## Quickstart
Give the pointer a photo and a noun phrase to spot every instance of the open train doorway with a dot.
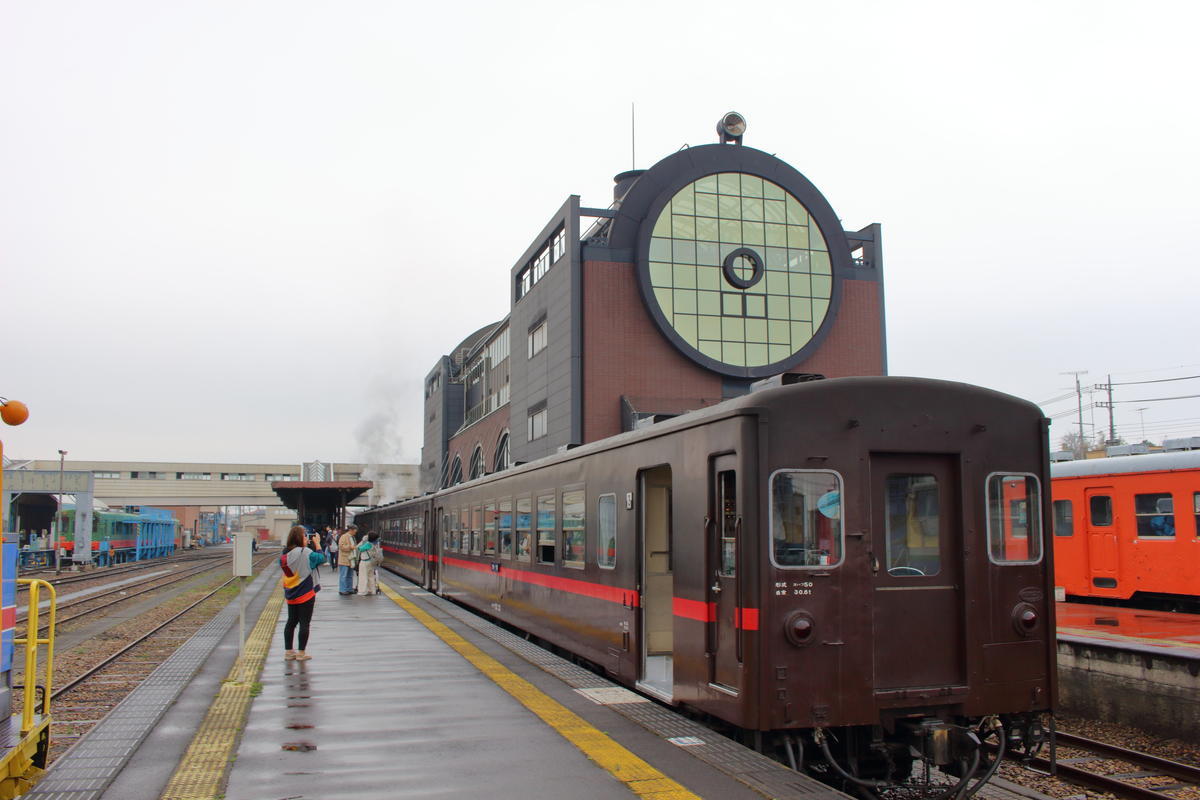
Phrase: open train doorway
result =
(658, 583)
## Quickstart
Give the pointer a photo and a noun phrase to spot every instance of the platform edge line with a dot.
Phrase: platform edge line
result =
(206, 761)
(638, 776)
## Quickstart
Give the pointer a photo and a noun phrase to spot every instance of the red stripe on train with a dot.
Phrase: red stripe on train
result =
(744, 618)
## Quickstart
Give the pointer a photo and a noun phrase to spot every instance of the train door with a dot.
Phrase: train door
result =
(426, 548)
(917, 565)
(723, 525)
(1101, 529)
(657, 626)
(441, 528)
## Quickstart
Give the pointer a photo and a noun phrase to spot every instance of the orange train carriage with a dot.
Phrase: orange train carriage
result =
(1126, 529)
(852, 574)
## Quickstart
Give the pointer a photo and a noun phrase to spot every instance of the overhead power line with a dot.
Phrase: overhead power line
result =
(1160, 380)
(1152, 399)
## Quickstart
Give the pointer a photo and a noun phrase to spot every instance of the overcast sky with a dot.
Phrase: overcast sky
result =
(245, 231)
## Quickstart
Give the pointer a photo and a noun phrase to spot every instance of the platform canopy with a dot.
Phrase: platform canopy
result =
(320, 503)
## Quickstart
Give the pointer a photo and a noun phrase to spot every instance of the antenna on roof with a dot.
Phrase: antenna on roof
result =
(633, 135)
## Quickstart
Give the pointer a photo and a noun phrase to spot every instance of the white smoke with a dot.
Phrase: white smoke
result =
(379, 443)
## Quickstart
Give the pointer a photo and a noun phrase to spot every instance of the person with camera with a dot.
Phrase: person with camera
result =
(299, 562)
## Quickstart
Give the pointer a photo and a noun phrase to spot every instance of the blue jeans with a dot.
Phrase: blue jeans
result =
(345, 579)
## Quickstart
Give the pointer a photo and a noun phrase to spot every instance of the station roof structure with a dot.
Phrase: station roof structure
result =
(319, 497)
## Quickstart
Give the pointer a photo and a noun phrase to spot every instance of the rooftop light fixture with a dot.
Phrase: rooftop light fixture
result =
(731, 127)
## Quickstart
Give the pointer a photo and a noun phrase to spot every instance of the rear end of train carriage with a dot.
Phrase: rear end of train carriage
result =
(906, 595)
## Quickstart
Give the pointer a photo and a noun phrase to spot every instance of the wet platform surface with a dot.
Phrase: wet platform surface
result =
(1156, 631)
(388, 708)
(407, 695)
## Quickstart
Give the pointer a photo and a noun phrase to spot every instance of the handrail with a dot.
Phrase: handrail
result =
(31, 642)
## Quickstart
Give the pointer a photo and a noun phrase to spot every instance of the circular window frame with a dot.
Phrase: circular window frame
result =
(652, 193)
(731, 271)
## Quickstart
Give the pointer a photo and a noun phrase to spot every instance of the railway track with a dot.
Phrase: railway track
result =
(126, 592)
(91, 690)
(1139, 776)
(108, 572)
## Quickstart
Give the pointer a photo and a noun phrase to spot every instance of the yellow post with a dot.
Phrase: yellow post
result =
(31, 641)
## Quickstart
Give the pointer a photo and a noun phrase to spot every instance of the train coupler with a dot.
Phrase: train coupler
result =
(939, 742)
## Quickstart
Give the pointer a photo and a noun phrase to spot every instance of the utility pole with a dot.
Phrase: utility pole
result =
(1112, 427)
(1079, 397)
(62, 454)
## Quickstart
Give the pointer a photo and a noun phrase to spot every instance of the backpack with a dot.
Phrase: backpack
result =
(376, 554)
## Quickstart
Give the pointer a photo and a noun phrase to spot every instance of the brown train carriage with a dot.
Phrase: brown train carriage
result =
(832, 565)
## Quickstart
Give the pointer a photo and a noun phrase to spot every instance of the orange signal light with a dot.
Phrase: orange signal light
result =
(14, 412)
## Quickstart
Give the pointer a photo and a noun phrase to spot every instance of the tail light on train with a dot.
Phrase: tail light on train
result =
(799, 628)
(1025, 619)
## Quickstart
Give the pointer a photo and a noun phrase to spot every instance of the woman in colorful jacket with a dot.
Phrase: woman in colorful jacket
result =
(300, 587)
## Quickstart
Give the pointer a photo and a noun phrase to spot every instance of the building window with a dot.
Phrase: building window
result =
(193, 476)
(551, 251)
(455, 472)
(236, 476)
(501, 462)
(280, 476)
(537, 339)
(1155, 515)
(477, 463)
(108, 475)
(148, 476)
(545, 529)
(537, 423)
(558, 245)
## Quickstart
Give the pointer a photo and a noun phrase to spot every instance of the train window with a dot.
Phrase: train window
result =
(1155, 515)
(1064, 518)
(1014, 518)
(913, 526)
(476, 530)
(574, 529)
(464, 530)
(489, 529)
(447, 532)
(727, 519)
(606, 524)
(524, 519)
(806, 518)
(506, 529)
(1100, 510)
(545, 529)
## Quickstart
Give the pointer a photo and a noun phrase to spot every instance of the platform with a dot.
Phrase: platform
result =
(1151, 632)
(1138, 668)
(407, 695)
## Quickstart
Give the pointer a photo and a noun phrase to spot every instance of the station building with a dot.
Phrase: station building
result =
(718, 267)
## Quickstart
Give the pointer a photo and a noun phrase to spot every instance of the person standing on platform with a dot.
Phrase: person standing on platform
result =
(298, 563)
(346, 545)
(368, 565)
(376, 560)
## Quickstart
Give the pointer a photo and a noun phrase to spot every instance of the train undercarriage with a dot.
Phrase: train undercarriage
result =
(920, 757)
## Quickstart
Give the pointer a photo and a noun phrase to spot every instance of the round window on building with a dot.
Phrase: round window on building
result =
(739, 272)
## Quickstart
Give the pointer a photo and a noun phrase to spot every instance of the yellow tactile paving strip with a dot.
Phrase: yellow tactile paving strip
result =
(201, 773)
(641, 778)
